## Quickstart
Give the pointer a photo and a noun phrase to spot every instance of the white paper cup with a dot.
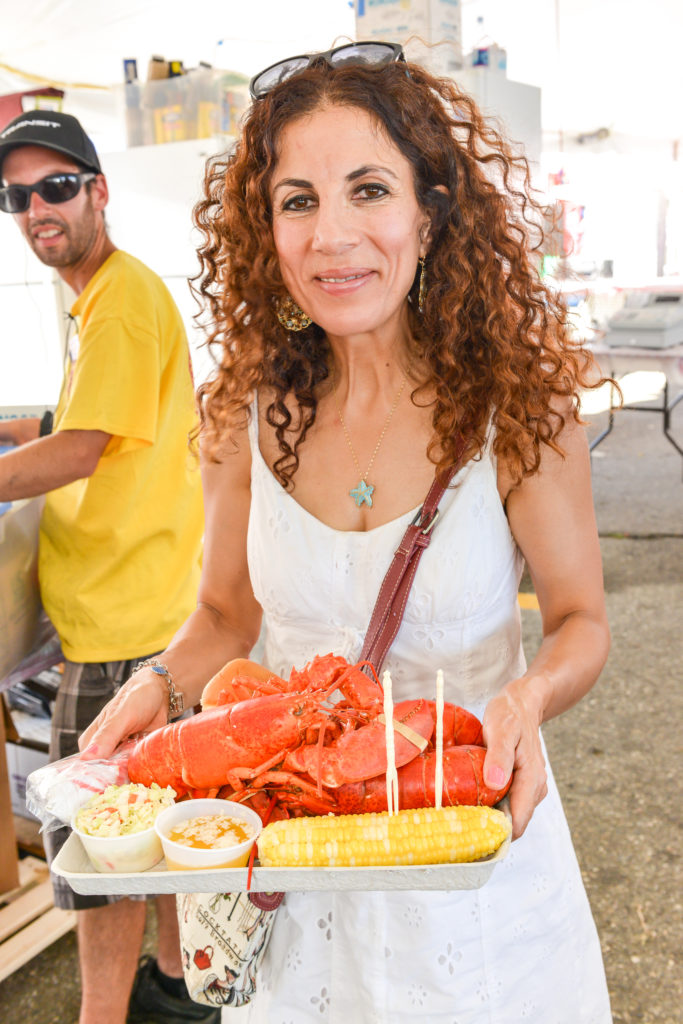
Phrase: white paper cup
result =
(136, 851)
(188, 858)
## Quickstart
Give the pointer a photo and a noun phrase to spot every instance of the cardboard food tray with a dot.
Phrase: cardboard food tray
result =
(73, 864)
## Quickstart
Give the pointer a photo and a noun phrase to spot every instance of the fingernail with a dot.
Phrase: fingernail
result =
(91, 750)
(496, 776)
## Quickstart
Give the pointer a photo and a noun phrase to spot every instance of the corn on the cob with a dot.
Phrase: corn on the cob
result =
(424, 836)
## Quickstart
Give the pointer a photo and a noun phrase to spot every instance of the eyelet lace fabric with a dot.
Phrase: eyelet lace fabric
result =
(523, 948)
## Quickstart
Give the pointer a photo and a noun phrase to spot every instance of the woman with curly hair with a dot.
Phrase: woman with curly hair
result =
(369, 268)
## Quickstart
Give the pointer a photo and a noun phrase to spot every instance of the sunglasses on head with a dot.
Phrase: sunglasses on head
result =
(370, 53)
(56, 188)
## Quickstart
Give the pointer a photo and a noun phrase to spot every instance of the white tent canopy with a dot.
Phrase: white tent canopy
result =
(600, 64)
(612, 64)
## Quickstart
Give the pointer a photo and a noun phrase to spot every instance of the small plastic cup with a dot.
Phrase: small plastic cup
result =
(137, 851)
(188, 858)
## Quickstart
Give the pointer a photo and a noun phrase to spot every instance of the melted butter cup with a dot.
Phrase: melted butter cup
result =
(180, 857)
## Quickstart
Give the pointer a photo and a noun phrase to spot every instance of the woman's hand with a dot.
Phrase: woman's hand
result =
(511, 734)
(141, 705)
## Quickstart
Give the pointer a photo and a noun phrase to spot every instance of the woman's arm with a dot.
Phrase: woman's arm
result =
(224, 625)
(552, 518)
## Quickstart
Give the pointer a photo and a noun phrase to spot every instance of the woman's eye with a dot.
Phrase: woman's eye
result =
(371, 191)
(298, 203)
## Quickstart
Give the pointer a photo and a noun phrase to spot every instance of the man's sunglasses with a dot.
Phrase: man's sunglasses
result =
(371, 53)
(56, 188)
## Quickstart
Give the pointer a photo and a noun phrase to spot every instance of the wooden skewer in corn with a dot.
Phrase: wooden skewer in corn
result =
(438, 770)
(392, 776)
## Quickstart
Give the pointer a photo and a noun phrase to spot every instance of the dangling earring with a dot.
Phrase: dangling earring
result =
(291, 316)
(422, 292)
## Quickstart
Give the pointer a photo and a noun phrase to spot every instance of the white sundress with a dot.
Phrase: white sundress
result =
(524, 946)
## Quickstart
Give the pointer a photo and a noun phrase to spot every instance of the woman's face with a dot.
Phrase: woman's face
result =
(347, 225)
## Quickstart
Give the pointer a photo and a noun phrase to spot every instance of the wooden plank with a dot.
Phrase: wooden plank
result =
(29, 839)
(28, 920)
(9, 877)
(33, 939)
(25, 908)
(31, 872)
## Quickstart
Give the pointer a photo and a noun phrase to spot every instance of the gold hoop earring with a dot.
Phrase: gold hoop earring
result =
(422, 292)
(291, 316)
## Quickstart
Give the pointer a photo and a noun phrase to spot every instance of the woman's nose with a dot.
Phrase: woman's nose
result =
(334, 231)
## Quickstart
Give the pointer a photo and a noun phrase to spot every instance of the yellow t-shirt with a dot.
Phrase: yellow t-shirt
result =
(120, 551)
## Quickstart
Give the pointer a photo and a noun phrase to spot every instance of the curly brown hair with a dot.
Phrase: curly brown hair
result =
(492, 337)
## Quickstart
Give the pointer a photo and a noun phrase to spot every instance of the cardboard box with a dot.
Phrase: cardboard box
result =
(429, 30)
(22, 759)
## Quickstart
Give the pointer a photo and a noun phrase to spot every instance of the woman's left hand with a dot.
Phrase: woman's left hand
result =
(511, 734)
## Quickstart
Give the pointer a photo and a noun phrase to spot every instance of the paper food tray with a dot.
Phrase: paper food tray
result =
(73, 864)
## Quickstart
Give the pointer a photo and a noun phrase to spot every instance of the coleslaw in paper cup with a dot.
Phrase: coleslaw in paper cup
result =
(116, 827)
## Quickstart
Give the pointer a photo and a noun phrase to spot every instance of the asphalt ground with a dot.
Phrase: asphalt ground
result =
(616, 756)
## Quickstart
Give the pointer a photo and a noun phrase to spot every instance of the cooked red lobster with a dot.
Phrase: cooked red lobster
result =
(260, 736)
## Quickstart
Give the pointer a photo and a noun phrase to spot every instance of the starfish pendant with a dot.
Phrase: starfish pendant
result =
(362, 493)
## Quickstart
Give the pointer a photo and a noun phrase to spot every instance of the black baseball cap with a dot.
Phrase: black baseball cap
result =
(53, 130)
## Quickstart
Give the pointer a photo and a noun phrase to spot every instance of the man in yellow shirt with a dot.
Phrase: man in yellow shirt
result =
(120, 537)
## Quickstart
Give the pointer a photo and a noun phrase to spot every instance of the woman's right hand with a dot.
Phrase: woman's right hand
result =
(141, 705)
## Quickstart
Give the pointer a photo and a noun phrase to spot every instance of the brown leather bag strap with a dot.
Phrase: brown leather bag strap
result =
(393, 594)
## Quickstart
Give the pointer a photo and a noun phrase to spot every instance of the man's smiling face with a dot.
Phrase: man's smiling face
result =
(59, 234)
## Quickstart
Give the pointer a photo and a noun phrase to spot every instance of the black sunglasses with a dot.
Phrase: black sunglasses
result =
(56, 188)
(373, 53)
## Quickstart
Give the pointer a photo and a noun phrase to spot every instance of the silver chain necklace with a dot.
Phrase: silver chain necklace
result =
(363, 491)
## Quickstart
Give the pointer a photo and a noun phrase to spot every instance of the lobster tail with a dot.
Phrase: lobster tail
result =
(459, 726)
(463, 783)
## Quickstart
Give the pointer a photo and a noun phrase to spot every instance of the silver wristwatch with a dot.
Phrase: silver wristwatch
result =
(176, 701)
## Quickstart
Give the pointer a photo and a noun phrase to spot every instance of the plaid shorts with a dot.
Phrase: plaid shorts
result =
(83, 692)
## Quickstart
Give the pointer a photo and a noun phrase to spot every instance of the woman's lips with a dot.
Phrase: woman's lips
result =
(335, 282)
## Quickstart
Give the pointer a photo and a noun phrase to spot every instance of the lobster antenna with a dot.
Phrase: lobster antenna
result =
(438, 769)
(392, 777)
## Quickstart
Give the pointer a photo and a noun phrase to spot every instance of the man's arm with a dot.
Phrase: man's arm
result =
(20, 431)
(50, 462)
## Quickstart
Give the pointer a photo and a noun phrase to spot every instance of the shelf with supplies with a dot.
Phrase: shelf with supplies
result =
(201, 104)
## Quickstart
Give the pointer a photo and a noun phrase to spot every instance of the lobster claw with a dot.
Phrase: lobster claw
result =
(362, 753)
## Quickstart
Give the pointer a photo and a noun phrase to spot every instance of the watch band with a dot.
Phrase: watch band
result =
(176, 701)
(46, 422)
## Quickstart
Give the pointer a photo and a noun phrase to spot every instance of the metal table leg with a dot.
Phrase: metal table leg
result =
(610, 422)
(666, 409)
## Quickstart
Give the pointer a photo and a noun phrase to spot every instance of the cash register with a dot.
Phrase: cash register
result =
(647, 320)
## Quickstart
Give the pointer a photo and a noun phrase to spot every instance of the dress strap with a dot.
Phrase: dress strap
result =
(252, 427)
